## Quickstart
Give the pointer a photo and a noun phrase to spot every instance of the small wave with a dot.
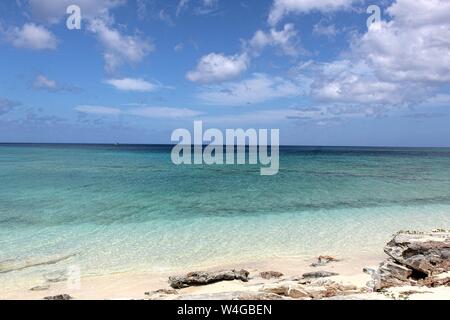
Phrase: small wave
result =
(15, 265)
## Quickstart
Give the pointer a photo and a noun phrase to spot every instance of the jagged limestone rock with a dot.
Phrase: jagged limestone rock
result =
(199, 278)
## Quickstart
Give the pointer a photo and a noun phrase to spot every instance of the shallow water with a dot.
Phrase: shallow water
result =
(107, 209)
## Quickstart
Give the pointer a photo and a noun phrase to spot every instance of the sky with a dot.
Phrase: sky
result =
(139, 69)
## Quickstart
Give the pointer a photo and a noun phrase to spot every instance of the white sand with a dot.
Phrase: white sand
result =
(134, 285)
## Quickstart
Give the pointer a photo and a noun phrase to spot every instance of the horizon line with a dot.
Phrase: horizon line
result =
(174, 144)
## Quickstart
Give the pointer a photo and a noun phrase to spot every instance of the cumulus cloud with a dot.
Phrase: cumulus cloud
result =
(394, 63)
(258, 88)
(405, 48)
(282, 39)
(31, 36)
(132, 84)
(281, 8)
(144, 112)
(216, 67)
(119, 48)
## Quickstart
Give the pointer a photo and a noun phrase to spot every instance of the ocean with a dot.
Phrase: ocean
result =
(107, 209)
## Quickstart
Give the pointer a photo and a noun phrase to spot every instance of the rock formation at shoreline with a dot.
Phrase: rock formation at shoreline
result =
(415, 258)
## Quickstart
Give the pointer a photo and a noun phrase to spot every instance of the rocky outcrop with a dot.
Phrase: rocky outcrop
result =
(200, 278)
(312, 290)
(428, 253)
(415, 258)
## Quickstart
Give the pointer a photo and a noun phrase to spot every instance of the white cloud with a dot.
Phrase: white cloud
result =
(406, 48)
(216, 67)
(258, 88)
(31, 36)
(118, 48)
(282, 39)
(42, 82)
(131, 84)
(399, 63)
(144, 112)
(280, 8)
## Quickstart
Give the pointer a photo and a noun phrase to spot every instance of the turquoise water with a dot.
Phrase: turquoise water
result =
(128, 208)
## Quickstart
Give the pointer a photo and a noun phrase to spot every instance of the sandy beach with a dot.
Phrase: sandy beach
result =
(138, 286)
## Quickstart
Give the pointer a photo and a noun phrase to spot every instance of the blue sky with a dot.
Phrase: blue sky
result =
(139, 69)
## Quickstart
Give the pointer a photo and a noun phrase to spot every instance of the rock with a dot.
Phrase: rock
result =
(436, 281)
(297, 292)
(319, 274)
(200, 278)
(270, 274)
(390, 274)
(428, 253)
(59, 297)
(415, 258)
(40, 288)
(315, 290)
(287, 289)
(262, 296)
(162, 291)
(277, 288)
(323, 260)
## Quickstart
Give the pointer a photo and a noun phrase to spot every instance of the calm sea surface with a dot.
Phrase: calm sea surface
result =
(128, 208)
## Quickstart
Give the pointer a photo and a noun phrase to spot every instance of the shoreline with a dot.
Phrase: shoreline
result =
(414, 265)
(134, 284)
